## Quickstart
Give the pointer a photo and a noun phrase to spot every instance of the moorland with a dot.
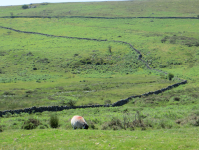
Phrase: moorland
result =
(69, 68)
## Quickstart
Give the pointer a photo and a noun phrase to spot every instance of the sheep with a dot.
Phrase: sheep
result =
(79, 122)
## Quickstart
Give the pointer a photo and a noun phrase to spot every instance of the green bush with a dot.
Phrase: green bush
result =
(114, 124)
(8, 93)
(25, 6)
(71, 102)
(54, 121)
(164, 39)
(92, 125)
(30, 124)
(68, 102)
(170, 76)
(107, 102)
(7, 115)
(43, 126)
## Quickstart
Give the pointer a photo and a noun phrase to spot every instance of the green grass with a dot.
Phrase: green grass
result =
(77, 65)
(81, 139)
(60, 60)
(89, 72)
(152, 8)
(83, 90)
(165, 126)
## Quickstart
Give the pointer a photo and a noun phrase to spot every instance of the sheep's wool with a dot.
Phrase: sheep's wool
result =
(78, 122)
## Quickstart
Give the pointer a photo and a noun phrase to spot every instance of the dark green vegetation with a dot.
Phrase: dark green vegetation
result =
(54, 121)
(39, 70)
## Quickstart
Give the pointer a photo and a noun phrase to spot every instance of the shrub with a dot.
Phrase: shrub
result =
(29, 92)
(109, 49)
(170, 76)
(71, 102)
(91, 103)
(1, 128)
(25, 6)
(114, 124)
(149, 123)
(8, 93)
(86, 88)
(1, 71)
(95, 120)
(43, 126)
(172, 41)
(196, 123)
(107, 102)
(176, 99)
(163, 123)
(30, 124)
(68, 102)
(164, 39)
(11, 14)
(54, 121)
(92, 125)
(7, 115)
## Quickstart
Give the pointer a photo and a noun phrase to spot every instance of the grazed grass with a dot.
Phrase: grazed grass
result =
(38, 70)
(60, 60)
(133, 8)
(169, 126)
(83, 90)
(81, 139)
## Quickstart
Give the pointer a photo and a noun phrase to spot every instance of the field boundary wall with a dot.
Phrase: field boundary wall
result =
(99, 17)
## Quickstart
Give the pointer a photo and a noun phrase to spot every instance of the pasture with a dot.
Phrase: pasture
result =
(67, 67)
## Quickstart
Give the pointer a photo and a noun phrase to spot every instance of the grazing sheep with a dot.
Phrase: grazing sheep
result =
(79, 122)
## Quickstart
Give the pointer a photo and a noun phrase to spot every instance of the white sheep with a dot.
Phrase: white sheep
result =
(79, 122)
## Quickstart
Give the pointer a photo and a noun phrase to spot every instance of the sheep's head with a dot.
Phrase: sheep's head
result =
(85, 126)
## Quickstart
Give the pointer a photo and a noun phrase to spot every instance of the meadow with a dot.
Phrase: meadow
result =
(39, 70)
(135, 8)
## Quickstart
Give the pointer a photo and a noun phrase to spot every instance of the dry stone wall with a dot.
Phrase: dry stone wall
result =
(99, 17)
(118, 103)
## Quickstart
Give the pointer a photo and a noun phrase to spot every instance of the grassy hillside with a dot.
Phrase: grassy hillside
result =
(169, 45)
(66, 65)
(135, 8)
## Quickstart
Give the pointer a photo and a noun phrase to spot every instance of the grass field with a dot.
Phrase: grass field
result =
(80, 139)
(171, 126)
(136, 8)
(39, 70)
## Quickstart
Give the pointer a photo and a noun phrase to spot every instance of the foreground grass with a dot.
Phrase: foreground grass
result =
(168, 123)
(81, 139)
